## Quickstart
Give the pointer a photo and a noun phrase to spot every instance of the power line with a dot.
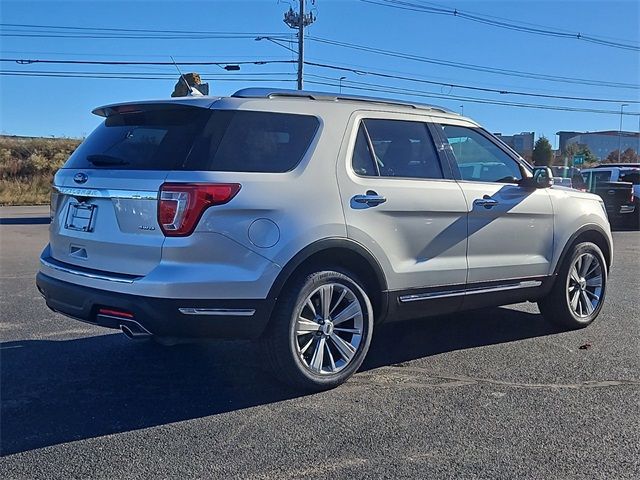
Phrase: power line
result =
(354, 85)
(139, 30)
(319, 65)
(372, 87)
(165, 74)
(127, 77)
(470, 66)
(64, 31)
(23, 61)
(504, 24)
(468, 87)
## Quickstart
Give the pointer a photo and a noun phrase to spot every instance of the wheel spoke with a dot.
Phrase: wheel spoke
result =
(326, 292)
(340, 298)
(588, 306)
(594, 281)
(304, 326)
(311, 307)
(346, 349)
(574, 300)
(308, 344)
(332, 362)
(574, 274)
(593, 269)
(586, 263)
(596, 297)
(318, 356)
(356, 331)
(348, 313)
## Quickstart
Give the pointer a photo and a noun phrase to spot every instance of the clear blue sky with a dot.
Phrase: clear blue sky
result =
(61, 106)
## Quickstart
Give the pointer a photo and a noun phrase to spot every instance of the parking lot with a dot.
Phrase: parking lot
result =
(496, 393)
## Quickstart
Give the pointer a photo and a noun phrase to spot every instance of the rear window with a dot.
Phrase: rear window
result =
(247, 141)
(192, 138)
(157, 139)
(632, 176)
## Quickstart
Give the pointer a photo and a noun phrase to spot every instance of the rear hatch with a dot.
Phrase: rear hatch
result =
(105, 208)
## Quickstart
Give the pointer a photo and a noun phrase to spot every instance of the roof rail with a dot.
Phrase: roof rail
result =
(331, 97)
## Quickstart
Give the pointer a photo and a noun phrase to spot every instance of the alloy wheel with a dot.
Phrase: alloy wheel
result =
(585, 285)
(329, 329)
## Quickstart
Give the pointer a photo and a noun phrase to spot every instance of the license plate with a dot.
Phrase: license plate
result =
(80, 217)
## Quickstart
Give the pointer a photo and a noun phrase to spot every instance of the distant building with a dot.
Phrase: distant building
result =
(602, 143)
(563, 137)
(520, 142)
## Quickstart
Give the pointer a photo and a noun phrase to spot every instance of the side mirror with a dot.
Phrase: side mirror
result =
(542, 178)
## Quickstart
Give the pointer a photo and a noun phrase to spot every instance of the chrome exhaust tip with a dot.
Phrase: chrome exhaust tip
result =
(134, 332)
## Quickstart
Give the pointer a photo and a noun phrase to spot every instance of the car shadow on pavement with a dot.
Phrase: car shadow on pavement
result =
(60, 391)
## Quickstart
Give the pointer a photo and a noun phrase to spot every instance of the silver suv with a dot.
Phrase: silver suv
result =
(304, 220)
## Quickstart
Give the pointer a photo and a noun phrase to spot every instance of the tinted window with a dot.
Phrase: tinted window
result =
(245, 141)
(478, 158)
(157, 139)
(401, 149)
(362, 161)
(191, 138)
(631, 177)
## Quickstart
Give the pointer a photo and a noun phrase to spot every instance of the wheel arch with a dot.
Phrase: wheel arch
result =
(588, 233)
(339, 252)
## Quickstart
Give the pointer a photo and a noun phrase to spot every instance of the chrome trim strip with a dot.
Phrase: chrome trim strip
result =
(95, 276)
(232, 312)
(107, 193)
(470, 291)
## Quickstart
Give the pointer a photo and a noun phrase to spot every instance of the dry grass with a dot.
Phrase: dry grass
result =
(27, 166)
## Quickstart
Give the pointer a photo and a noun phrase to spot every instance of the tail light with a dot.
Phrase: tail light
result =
(53, 203)
(181, 205)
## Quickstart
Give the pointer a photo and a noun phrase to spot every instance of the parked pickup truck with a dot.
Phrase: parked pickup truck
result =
(619, 187)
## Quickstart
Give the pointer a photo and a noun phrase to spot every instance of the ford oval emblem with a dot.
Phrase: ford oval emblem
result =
(80, 177)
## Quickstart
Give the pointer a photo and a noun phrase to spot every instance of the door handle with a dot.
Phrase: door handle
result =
(371, 198)
(486, 202)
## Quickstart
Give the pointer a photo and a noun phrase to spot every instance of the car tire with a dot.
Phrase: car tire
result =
(320, 330)
(578, 292)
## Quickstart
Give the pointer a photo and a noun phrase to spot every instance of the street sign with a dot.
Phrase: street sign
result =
(578, 159)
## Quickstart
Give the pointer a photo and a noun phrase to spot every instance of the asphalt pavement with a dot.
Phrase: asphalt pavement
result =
(496, 393)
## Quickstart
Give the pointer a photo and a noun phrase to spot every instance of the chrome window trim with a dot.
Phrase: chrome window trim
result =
(107, 193)
(470, 291)
(232, 312)
(79, 273)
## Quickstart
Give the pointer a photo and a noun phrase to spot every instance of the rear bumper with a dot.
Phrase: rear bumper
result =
(164, 317)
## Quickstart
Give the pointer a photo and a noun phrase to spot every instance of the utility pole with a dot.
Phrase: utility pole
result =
(620, 131)
(299, 20)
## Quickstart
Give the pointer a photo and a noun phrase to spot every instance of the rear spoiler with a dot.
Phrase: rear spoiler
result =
(132, 107)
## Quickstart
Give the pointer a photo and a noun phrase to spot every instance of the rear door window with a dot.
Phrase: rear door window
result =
(400, 149)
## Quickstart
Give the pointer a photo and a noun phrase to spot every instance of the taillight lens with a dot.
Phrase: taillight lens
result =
(180, 205)
(53, 203)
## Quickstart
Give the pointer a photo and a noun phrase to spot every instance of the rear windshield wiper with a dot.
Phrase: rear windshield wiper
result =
(102, 160)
